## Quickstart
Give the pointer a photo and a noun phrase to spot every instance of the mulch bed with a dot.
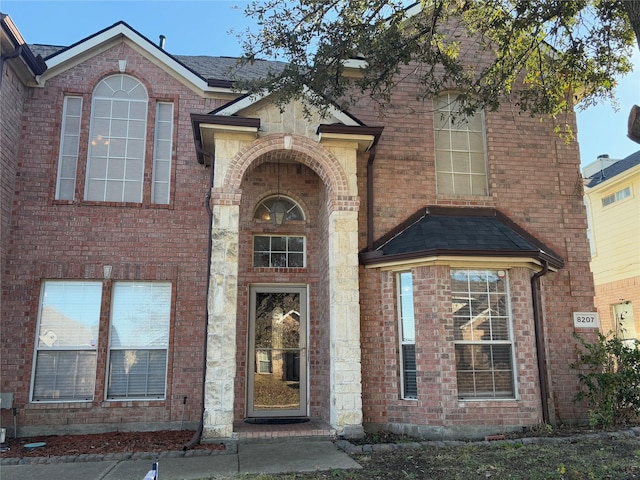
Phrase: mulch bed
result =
(103, 443)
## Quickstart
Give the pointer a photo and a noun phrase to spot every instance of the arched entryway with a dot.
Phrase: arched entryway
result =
(323, 183)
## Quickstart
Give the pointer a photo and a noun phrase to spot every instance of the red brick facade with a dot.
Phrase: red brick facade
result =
(533, 179)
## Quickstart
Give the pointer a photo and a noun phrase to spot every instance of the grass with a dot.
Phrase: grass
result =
(606, 458)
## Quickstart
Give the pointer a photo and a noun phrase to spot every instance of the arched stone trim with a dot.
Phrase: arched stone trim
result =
(299, 149)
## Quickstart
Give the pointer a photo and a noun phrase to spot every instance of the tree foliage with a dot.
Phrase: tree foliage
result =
(532, 53)
(609, 370)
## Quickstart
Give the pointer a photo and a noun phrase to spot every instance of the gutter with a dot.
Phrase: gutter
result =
(540, 345)
(372, 157)
(8, 56)
(198, 434)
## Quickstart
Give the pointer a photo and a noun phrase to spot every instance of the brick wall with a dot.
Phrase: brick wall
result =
(534, 179)
(73, 240)
(12, 97)
(302, 185)
(613, 293)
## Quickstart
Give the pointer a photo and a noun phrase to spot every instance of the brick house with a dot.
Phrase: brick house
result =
(174, 253)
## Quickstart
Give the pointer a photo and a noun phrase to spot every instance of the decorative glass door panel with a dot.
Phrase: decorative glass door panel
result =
(277, 380)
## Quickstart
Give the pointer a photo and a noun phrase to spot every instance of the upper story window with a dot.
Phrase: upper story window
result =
(69, 145)
(117, 140)
(115, 167)
(461, 165)
(616, 197)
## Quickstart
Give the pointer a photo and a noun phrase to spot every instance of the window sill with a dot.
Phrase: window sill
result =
(464, 198)
(92, 203)
(133, 403)
(48, 404)
(492, 401)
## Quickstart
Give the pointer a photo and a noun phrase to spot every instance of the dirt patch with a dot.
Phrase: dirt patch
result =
(103, 443)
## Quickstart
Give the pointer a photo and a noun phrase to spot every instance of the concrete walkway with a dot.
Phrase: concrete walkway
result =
(285, 457)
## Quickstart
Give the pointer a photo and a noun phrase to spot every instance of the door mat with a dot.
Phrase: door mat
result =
(276, 420)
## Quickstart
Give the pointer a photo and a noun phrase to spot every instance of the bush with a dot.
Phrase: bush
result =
(609, 369)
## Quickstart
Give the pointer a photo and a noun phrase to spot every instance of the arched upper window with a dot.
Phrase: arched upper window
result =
(115, 168)
(461, 165)
(265, 207)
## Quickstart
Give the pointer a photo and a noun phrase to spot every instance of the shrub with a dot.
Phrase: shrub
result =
(609, 369)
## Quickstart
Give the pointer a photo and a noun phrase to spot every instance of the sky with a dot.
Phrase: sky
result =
(210, 27)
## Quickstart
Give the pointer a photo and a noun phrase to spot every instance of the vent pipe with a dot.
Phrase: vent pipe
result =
(161, 43)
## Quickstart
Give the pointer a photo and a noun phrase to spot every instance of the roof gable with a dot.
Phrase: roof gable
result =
(65, 58)
(617, 168)
(248, 102)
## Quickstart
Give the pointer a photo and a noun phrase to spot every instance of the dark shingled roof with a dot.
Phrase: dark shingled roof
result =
(615, 169)
(209, 68)
(459, 231)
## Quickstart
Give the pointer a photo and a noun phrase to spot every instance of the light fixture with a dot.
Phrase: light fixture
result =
(278, 210)
(106, 270)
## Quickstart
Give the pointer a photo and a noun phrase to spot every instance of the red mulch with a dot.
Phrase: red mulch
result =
(103, 443)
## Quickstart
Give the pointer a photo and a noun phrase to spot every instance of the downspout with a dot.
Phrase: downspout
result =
(372, 157)
(540, 345)
(198, 433)
(8, 56)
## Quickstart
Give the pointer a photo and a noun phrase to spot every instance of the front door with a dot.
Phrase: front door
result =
(277, 357)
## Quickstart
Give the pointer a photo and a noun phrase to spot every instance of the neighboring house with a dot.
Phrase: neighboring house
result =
(229, 261)
(612, 197)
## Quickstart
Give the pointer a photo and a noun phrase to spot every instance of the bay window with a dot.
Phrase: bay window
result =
(482, 334)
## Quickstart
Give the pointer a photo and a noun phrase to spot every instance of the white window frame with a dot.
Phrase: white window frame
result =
(286, 252)
(456, 157)
(476, 347)
(162, 152)
(406, 334)
(69, 148)
(115, 168)
(616, 196)
(68, 310)
(151, 315)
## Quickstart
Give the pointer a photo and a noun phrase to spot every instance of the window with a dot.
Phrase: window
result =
(283, 252)
(625, 322)
(407, 336)
(115, 168)
(66, 342)
(139, 340)
(482, 334)
(292, 209)
(162, 153)
(118, 132)
(461, 167)
(69, 144)
(616, 197)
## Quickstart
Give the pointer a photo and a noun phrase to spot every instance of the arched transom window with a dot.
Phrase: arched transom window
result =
(265, 208)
